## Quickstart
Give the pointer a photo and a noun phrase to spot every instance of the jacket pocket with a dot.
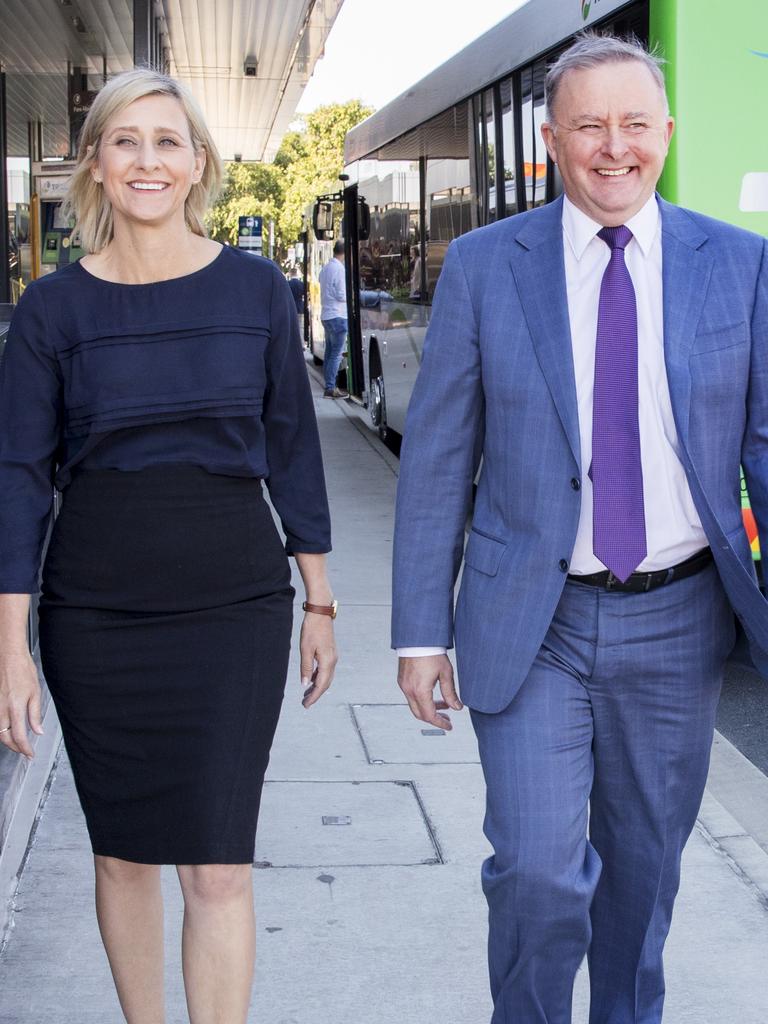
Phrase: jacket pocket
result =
(484, 553)
(713, 339)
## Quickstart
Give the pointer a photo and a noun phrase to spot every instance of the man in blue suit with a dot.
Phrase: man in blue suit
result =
(612, 372)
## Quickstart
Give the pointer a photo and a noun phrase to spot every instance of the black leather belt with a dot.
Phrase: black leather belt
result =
(639, 582)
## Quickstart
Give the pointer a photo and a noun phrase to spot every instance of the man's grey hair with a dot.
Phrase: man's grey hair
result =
(590, 51)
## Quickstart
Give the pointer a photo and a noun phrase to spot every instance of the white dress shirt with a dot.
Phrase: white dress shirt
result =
(672, 525)
(333, 290)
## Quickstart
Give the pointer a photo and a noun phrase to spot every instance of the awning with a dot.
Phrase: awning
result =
(247, 61)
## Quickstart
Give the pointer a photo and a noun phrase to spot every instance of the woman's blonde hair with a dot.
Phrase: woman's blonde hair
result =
(86, 200)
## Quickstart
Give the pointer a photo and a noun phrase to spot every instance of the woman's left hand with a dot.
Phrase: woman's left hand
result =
(318, 656)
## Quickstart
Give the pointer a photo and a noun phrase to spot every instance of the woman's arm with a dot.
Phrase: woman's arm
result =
(30, 396)
(297, 484)
(19, 686)
(317, 644)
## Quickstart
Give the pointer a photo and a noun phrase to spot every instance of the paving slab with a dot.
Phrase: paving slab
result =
(347, 935)
(391, 735)
(343, 824)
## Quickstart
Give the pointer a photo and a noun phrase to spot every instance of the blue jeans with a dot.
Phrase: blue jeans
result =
(335, 336)
(617, 715)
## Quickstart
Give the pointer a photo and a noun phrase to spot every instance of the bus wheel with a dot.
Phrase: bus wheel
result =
(378, 408)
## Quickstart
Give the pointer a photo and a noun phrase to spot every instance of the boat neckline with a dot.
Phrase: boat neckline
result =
(152, 284)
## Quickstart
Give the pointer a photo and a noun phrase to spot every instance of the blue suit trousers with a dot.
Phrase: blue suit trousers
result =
(594, 776)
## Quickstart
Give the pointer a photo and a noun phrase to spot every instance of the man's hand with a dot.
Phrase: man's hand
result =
(416, 677)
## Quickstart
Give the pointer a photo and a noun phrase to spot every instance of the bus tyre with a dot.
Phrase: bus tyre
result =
(378, 407)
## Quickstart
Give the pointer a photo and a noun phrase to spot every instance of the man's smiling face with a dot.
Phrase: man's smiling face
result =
(609, 137)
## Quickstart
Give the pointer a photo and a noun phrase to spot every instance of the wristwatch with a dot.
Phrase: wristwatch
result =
(322, 609)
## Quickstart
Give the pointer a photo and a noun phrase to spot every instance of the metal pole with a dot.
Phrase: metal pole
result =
(305, 276)
(5, 269)
(31, 140)
(35, 241)
(423, 228)
(141, 32)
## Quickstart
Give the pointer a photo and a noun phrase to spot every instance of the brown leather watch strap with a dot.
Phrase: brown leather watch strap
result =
(322, 609)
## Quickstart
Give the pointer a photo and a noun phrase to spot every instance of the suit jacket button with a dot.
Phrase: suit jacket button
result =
(563, 565)
(576, 484)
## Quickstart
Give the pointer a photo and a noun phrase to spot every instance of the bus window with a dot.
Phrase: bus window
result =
(451, 202)
(450, 209)
(534, 152)
(388, 257)
(508, 146)
(489, 154)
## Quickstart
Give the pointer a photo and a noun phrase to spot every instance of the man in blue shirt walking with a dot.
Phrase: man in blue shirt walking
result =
(333, 313)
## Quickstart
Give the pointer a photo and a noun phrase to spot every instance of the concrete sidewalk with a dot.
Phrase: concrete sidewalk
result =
(376, 916)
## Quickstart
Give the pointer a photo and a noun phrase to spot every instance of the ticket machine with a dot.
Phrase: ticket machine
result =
(58, 244)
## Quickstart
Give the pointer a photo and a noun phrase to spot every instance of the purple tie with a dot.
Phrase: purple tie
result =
(616, 472)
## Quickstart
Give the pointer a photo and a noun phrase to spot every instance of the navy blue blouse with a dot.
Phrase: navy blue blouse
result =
(205, 369)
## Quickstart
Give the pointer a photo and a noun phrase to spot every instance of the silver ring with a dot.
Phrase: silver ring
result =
(7, 729)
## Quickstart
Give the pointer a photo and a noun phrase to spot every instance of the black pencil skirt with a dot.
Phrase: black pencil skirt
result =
(165, 627)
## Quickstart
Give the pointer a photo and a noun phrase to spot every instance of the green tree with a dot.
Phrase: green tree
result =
(308, 162)
(249, 190)
(313, 158)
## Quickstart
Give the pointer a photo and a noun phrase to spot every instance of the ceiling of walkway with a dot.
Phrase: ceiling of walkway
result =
(207, 42)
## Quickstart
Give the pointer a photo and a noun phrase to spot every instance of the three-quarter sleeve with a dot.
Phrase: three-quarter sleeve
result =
(295, 478)
(30, 389)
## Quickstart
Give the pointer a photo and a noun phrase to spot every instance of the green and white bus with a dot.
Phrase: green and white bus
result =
(461, 148)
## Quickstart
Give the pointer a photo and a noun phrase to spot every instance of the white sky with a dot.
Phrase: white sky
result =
(377, 48)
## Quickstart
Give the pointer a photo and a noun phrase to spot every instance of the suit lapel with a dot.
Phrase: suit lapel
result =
(537, 265)
(686, 270)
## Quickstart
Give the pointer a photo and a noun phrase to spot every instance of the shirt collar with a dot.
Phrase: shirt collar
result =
(579, 229)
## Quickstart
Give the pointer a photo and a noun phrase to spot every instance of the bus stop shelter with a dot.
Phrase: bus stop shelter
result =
(247, 63)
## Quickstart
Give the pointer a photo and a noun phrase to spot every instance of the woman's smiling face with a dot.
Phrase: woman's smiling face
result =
(147, 162)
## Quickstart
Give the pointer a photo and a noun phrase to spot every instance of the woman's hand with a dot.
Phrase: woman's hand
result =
(19, 701)
(318, 656)
(317, 645)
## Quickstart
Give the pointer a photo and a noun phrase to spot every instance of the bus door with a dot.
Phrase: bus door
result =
(351, 232)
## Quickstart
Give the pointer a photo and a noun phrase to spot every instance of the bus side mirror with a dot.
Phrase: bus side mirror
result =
(322, 220)
(363, 221)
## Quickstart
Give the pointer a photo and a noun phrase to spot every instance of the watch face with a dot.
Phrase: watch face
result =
(335, 607)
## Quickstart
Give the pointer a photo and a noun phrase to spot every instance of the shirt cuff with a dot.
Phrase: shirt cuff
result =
(420, 652)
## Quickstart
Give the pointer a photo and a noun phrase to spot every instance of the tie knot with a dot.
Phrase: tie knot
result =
(616, 238)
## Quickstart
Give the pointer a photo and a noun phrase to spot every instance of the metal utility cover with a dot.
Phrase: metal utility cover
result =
(387, 827)
(391, 735)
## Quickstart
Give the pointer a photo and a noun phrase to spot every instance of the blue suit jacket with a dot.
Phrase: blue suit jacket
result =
(497, 380)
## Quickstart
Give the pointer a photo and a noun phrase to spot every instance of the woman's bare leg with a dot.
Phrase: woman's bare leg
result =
(129, 907)
(218, 942)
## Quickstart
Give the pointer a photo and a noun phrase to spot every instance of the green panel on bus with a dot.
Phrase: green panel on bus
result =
(717, 81)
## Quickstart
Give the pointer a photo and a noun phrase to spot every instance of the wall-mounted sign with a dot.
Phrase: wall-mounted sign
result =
(81, 101)
(54, 187)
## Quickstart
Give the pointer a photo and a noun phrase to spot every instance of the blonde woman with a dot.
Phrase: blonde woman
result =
(156, 382)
